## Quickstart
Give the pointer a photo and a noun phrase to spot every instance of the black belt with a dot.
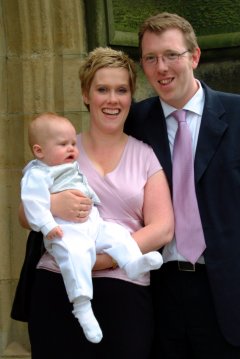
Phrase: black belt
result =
(185, 266)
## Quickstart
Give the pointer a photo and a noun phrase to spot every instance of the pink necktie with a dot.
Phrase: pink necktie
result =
(188, 227)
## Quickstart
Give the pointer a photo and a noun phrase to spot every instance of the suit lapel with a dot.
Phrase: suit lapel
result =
(156, 134)
(212, 129)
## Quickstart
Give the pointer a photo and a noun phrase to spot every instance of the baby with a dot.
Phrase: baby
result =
(52, 139)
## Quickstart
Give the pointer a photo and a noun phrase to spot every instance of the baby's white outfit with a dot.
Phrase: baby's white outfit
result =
(75, 252)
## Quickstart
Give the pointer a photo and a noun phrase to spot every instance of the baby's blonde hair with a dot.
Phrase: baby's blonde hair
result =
(42, 127)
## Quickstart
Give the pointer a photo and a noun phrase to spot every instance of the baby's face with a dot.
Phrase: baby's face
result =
(61, 146)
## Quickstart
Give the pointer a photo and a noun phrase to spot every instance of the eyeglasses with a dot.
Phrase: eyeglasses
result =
(167, 58)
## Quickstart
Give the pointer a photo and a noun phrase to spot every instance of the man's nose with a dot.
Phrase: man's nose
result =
(161, 64)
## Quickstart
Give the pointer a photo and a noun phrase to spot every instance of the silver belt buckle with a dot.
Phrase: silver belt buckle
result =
(186, 267)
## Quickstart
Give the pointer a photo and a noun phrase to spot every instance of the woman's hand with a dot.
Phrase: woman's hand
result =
(71, 205)
(103, 261)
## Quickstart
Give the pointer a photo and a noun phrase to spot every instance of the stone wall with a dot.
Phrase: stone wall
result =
(41, 45)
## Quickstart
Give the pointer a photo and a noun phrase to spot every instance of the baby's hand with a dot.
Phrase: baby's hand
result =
(55, 232)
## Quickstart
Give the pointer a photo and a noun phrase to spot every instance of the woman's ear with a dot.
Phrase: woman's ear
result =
(85, 98)
(37, 151)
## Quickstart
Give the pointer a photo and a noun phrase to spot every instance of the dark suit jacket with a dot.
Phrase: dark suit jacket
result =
(217, 177)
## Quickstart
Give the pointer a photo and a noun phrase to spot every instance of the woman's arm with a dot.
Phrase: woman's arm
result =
(70, 205)
(158, 219)
(22, 218)
(158, 215)
(104, 261)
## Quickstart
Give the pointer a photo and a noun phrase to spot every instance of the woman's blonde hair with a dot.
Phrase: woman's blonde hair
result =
(104, 57)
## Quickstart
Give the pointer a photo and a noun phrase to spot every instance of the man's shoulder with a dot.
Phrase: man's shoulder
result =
(146, 103)
(142, 109)
(227, 97)
(139, 116)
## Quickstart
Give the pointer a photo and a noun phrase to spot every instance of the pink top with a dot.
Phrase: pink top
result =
(121, 193)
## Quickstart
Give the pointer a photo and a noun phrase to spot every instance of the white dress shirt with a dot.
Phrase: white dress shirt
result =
(194, 109)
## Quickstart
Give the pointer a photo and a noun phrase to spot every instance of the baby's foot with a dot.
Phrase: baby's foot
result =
(91, 328)
(83, 312)
(145, 263)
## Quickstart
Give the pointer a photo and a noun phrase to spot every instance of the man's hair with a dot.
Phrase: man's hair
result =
(164, 21)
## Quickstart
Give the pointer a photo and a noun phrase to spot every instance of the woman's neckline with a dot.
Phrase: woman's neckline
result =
(94, 166)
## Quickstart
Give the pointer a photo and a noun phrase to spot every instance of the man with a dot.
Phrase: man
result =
(197, 302)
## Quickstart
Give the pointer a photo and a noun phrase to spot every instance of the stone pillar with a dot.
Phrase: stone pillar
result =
(41, 45)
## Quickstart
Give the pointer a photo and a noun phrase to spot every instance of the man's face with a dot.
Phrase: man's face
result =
(171, 74)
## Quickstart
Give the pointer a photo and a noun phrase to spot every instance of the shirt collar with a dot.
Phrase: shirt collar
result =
(195, 104)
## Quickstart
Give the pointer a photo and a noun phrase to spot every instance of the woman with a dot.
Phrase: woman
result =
(133, 191)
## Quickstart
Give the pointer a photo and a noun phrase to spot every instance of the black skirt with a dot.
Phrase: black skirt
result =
(124, 311)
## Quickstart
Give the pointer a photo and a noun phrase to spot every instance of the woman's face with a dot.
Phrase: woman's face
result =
(109, 99)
